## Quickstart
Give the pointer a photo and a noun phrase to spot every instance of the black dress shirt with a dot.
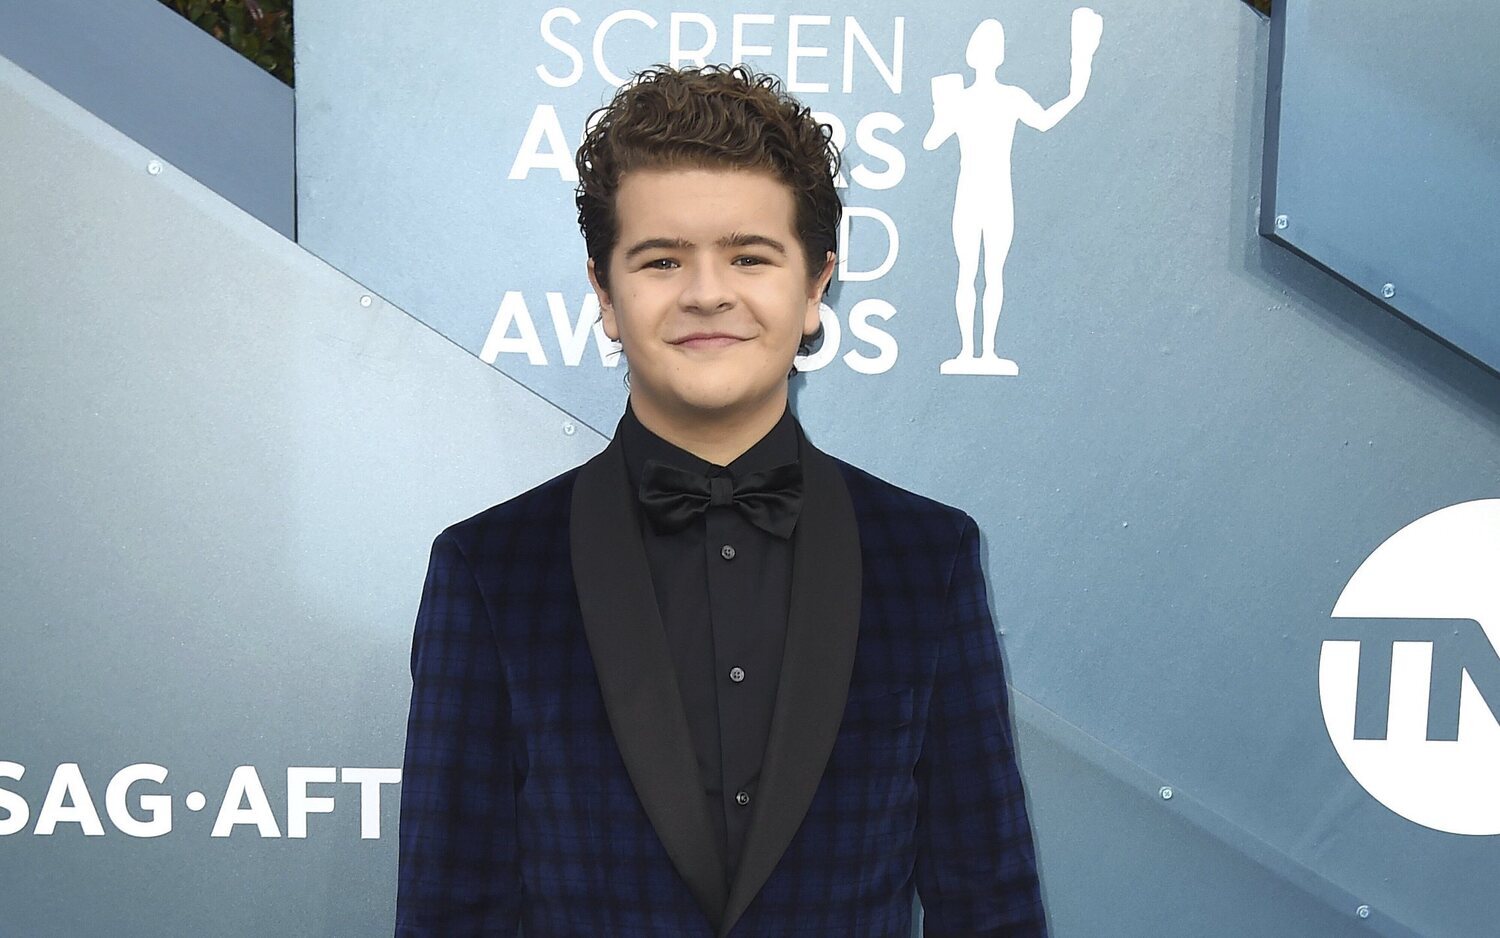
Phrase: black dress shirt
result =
(723, 586)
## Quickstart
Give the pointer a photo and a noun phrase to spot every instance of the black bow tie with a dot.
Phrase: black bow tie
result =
(769, 499)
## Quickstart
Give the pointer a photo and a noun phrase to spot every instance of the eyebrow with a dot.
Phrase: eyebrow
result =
(738, 239)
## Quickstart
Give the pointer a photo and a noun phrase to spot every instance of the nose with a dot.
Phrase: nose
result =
(706, 289)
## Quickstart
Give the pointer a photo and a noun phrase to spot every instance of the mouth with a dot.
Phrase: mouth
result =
(707, 340)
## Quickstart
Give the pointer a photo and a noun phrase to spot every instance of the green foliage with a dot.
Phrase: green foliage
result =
(260, 30)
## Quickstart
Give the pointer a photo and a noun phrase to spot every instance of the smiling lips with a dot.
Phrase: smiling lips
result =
(708, 340)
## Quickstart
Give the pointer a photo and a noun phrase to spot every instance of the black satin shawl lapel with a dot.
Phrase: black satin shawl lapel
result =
(822, 626)
(636, 676)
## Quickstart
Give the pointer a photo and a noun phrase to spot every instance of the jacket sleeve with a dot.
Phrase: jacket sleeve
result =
(457, 857)
(976, 866)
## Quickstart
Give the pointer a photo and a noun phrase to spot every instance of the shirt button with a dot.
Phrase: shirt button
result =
(742, 797)
(736, 674)
(726, 552)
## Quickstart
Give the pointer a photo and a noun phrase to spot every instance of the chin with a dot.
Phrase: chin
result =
(715, 403)
(717, 399)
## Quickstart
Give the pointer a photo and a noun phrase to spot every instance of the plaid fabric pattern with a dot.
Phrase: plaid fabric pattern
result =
(516, 808)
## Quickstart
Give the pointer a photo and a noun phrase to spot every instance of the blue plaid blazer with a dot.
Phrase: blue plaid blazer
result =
(549, 784)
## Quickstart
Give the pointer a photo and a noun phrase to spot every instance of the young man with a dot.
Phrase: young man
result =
(714, 681)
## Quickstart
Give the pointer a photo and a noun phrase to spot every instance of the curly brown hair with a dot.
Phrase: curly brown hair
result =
(715, 116)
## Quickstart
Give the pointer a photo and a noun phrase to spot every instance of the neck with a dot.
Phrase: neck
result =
(718, 437)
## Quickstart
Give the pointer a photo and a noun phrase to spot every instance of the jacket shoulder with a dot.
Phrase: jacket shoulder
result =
(534, 513)
(881, 504)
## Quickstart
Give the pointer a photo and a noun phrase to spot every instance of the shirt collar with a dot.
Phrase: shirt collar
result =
(777, 447)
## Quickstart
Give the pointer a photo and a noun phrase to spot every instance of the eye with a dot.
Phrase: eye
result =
(656, 264)
(749, 257)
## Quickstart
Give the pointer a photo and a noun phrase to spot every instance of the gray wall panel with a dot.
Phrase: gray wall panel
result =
(1385, 156)
(163, 81)
(222, 476)
(1118, 859)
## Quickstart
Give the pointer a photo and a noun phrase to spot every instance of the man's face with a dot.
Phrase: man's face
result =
(712, 254)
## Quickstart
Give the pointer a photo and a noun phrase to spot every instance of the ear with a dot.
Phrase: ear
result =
(606, 308)
(811, 318)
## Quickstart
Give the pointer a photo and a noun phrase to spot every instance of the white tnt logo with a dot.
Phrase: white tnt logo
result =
(1410, 684)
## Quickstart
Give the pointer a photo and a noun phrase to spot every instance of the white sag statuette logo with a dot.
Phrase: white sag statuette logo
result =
(1410, 682)
(984, 117)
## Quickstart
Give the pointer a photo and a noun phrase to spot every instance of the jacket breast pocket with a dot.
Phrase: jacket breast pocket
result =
(877, 712)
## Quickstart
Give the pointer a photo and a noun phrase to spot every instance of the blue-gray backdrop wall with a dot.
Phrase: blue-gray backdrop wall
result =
(226, 458)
